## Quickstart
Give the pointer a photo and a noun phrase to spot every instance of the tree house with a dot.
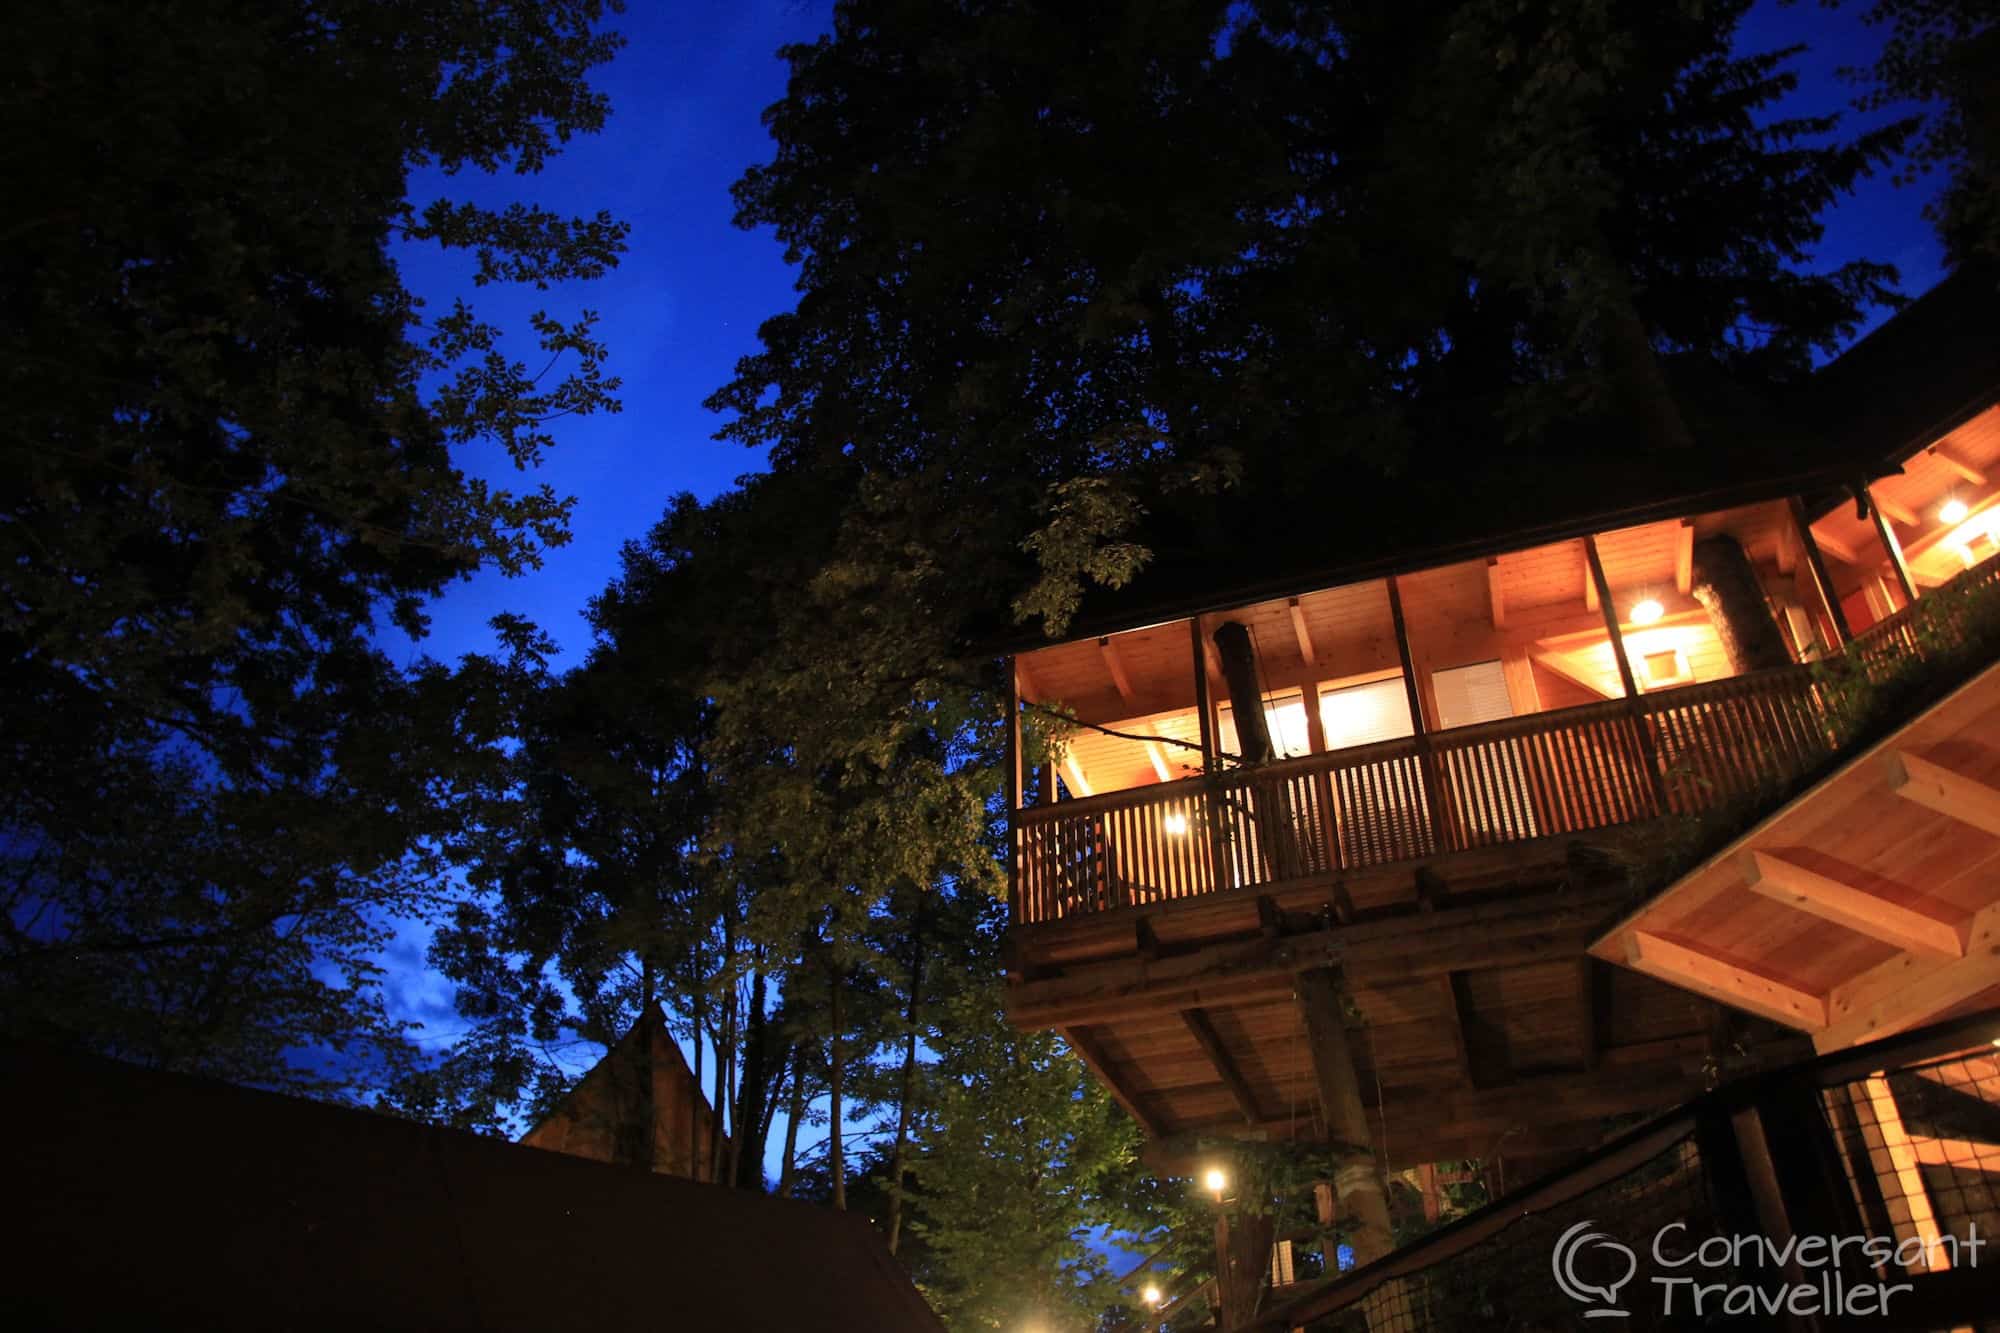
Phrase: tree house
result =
(1360, 858)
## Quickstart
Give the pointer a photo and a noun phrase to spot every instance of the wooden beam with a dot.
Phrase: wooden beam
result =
(1159, 761)
(1456, 1006)
(1835, 547)
(1938, 788)
(1358, 1180)
(1554, 662)
(1300, 631)
(1829, 596)
(1965, 1154)
(1024, 682)
(1704, 974)
(1078, 784)
(1911, 1192)
(1603, 586)
(1592, 598)
(1203, 1031)
(1959, 463)
(1117, 670)
(1204, 710)
(1895, 509)
(1887, 535)
(1589, 1014)
(1684, 557)
(1830, 899)
(1495, 593)
(1092, 1055)
(1788, 547)
(1908, 991)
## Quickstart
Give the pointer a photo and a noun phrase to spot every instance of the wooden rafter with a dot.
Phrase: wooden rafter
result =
(1730, 983)
(1590, 600)
(1959, 463)
(1830, 899)
(1907, 991)
(1895, 509)
(1116, 667)
(1496, 593)
(1684, 557)
(1836, 548)
(1092, 1054)
(1938, 788)
(1203, 1031)
(1078, 783)
(1303, 634)
(1556, 663)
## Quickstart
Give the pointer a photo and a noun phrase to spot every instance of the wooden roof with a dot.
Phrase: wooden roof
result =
(604, 1116)
(1317, 517)
(152, 1200)
(1867, 905)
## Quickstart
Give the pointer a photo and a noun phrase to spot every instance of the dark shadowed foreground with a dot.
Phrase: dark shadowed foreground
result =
(148, 1200)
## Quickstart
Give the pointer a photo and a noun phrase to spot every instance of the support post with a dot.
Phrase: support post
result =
(1358, 1181)
(1442, 824)
(1885, 531)
(1829, 598)
(1216, 826)
(1649, 755)
(1013, 777)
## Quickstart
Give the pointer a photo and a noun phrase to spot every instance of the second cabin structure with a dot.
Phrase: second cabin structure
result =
(1330, 860)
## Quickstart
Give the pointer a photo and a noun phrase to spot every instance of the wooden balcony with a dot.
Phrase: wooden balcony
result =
(1315, 819)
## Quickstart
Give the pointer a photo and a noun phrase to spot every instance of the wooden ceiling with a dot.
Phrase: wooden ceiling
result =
(1477, 1029)
(1964, 465)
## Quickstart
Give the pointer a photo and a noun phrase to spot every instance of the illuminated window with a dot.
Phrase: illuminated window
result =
(1667, 667)
(1469, 695)
(1364, 714)
(1284, 718)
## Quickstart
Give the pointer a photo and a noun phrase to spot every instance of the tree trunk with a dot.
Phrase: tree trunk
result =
(1358, 1182)
(1726, 585)
(754, 1092)
(1242, 1262)
(1246, 701)
(836, 1159)
(788, 1166)
(898, 1159)
(694, 1085)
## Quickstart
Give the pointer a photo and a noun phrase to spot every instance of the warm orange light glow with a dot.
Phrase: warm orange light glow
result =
(1216, 1181)
(1151, 1296)
(1648, 611)
(1175, 823)
(1953, 510)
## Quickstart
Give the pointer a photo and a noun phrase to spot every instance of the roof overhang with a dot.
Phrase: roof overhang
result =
(1867, 905)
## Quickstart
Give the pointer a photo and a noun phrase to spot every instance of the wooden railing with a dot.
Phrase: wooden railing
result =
(1679, 752)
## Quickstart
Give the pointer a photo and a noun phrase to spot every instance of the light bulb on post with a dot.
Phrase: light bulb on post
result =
(1216, 1182)
(1151, 1295)
(1648, 611)
(1175, 823)
(1953, 510)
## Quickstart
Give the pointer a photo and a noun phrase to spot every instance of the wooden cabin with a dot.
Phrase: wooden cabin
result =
(639, 1105)
(1338, 859)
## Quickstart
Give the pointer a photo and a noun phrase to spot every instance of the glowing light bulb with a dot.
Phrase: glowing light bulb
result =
(1175, 823)
(1150, 1295)
(1953, 510)
(1648, 611)
(1215, 1180)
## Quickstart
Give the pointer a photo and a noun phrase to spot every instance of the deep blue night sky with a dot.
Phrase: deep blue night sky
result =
(687, 96)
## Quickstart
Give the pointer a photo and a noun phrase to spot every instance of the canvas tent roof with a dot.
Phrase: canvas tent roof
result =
(150, 1200)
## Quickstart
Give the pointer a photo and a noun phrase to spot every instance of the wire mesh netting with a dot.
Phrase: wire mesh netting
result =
(1545, 1270)
(1921, 1150)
